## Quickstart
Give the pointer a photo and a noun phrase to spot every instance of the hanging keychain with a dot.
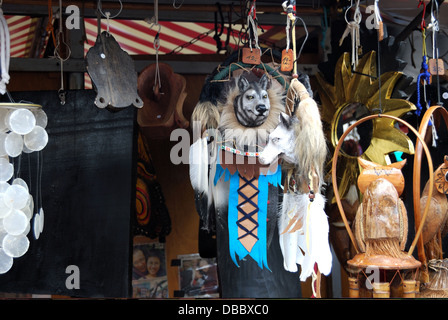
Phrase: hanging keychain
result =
(435, 65)
(252, 55)
(353, 29)
(287, 62)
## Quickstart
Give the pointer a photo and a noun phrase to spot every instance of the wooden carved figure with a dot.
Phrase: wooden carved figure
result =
(380, 229)
(436, 227)
(434, 230)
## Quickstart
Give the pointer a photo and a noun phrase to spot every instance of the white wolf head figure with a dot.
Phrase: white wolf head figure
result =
(252, 105)
(281, 141)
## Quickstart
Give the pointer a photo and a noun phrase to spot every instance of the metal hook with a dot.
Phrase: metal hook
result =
(177, 7)
(99, 7)
(61, 94)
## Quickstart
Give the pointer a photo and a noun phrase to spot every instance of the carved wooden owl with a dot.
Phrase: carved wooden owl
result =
(381, 214)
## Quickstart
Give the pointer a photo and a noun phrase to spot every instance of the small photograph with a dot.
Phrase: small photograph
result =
(149, 277)
(198, 276)
(150, 288)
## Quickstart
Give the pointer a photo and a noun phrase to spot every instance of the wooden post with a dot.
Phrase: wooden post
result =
(353, 287)
(381, 290)
(409, 288)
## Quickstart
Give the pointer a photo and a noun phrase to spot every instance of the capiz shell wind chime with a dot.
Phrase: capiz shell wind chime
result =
(22, 132)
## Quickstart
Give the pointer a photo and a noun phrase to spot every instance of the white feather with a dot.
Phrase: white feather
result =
(198, 158)
(309, 245)
(291, 205)
(318, 228)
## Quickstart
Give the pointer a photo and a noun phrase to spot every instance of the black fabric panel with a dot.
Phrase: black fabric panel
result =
(88, 193)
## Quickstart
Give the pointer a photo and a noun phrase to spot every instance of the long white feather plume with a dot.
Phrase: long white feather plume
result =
(198, 158)
(317, 228)
(308, 245)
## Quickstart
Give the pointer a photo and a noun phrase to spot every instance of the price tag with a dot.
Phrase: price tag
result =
(436, 66)
(380, 31)
(287, 63)
(251, 56)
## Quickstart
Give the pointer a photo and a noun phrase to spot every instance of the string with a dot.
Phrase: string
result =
(99, 6)
(378, 57)
(435, 54)
(50, 27)
(180, 4)
(378, 18)
(425, 74)
(251, 24)
(435, 47)
(39, 182)
(304, 40)
(60, 40)
(154, 22)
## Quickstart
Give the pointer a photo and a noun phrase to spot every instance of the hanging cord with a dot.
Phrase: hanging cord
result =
(107, 15)
(288, 26)
(252, 25)
(353, 29)
(154, 22)
(217, 36)
(434, 26)
(100, 9)
(288, 8)
(377, 14)
(324, 27)
(425, 74)
(377, 21)
(50, 27)
(57, 53)
(304, 40)
(178, 6)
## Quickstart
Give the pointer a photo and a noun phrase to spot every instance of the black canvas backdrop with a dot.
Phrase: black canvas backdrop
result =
(88, 196)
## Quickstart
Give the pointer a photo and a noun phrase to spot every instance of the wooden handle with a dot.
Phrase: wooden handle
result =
(416, 174)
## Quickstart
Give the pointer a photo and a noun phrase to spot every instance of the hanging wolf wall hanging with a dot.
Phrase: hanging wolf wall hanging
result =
(235, 194)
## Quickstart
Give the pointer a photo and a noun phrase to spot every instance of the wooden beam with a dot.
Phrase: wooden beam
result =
(184, 64)
(267, 14)
(115, 5)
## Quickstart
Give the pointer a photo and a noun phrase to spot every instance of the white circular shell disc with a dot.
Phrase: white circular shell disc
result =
(15, 246)
(6, 262)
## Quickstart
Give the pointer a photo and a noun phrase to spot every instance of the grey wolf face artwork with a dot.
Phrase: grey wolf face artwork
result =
(252, 106)
(281, 141)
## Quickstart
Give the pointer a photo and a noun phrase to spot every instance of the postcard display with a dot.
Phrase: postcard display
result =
(88, 192)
